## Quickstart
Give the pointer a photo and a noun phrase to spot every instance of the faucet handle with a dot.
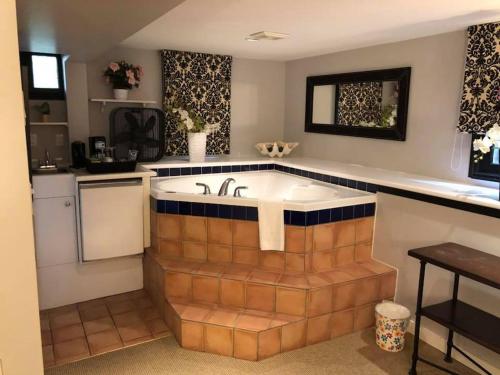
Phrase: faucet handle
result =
(206, 188)
(237, 191)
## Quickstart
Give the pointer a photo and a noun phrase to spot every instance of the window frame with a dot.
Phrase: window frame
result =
(483, 169)
(35, 93)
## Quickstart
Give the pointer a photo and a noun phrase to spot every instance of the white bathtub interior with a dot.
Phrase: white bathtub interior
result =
(297, 193)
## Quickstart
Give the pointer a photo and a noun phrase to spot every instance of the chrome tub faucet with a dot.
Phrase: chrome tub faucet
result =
(237, 191)
(206, 188)
(225, 185)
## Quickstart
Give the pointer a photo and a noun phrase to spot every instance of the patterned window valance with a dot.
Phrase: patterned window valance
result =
(201, 82)
(480, 105)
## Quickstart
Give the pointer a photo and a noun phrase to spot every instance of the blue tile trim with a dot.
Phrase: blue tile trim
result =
(299, 218)
(175, 172)
(198, 209)
(252, 213)
(184, 208)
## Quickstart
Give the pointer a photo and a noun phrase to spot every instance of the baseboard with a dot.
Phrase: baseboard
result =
(437, 341)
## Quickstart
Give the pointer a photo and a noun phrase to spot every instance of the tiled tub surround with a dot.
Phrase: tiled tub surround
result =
(312, 248)
(219, 293)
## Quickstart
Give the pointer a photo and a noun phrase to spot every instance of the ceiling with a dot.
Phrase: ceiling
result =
(83, 29)
(315, 26)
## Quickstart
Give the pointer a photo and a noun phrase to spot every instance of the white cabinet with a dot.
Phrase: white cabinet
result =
(55, 231)
(55, 219)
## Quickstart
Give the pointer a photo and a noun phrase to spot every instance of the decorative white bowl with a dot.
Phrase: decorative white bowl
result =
(278, 148)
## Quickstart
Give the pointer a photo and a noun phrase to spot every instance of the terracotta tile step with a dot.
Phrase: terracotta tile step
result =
(254, 335)
(300, 280)
(304, 295)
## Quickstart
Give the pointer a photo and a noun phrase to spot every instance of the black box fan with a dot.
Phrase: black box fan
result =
(141, 129)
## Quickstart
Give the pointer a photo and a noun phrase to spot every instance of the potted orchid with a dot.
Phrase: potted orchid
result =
(189, 122)
(483, 145)
(44, 110)
(123, 76)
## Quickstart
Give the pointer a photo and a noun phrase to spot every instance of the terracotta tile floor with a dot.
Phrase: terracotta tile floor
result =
(74, 332)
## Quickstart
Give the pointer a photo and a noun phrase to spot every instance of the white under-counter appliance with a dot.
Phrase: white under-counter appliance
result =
(111, 219)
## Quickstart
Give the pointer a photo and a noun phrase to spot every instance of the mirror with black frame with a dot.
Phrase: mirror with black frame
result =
(365, 104)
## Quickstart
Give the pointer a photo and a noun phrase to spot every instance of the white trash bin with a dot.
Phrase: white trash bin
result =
(391, 324)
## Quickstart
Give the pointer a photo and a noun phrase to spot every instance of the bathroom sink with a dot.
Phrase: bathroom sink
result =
(50, 170)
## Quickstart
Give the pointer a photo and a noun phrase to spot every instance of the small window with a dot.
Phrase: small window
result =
(45, 72)
(46, 81)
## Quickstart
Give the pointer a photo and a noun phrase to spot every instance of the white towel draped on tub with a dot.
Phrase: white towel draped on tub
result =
(271, 226)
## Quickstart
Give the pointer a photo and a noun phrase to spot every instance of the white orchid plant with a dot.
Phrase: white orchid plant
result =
(483, 145)
(188, 121)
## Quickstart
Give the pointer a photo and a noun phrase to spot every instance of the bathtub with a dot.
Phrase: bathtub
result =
(298, 193)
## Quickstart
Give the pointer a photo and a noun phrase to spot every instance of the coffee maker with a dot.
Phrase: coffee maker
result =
(78, 154)
(96, 145)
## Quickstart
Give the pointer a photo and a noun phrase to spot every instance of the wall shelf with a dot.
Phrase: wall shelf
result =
(48, 123)
(103, 102)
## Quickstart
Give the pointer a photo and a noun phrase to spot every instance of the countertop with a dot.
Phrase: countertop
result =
(140, 172)
(462, 192)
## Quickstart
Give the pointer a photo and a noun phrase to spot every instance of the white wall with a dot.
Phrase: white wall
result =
(437, 64)
(20, 341)
(257, 97)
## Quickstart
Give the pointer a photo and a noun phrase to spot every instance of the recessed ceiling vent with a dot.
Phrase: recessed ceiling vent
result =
(266, 35)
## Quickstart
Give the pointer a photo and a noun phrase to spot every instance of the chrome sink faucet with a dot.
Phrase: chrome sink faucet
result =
(47, 158)
(225, 185)
(47, 163)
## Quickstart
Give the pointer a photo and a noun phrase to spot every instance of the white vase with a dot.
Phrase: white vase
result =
(120, 94)
(197, 144)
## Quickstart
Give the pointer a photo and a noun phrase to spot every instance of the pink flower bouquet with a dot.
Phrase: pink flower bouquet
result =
(123, 75)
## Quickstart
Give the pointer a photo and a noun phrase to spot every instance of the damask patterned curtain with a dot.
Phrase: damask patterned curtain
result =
(480, 105)
(201, 82)
(360, 103)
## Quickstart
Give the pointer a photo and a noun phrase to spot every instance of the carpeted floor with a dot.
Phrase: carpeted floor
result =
(348, 355)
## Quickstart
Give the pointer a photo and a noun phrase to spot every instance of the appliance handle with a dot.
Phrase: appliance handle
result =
(108, 184)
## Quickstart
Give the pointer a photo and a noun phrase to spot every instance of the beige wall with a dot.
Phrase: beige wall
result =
(257, 104)
(150, 87)
(437, 73)
(257, 98)
(403, 224)
(20, 342)
(77, 101)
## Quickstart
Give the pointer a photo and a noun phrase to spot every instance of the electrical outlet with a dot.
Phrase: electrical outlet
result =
(59, 140)
(34, 142)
